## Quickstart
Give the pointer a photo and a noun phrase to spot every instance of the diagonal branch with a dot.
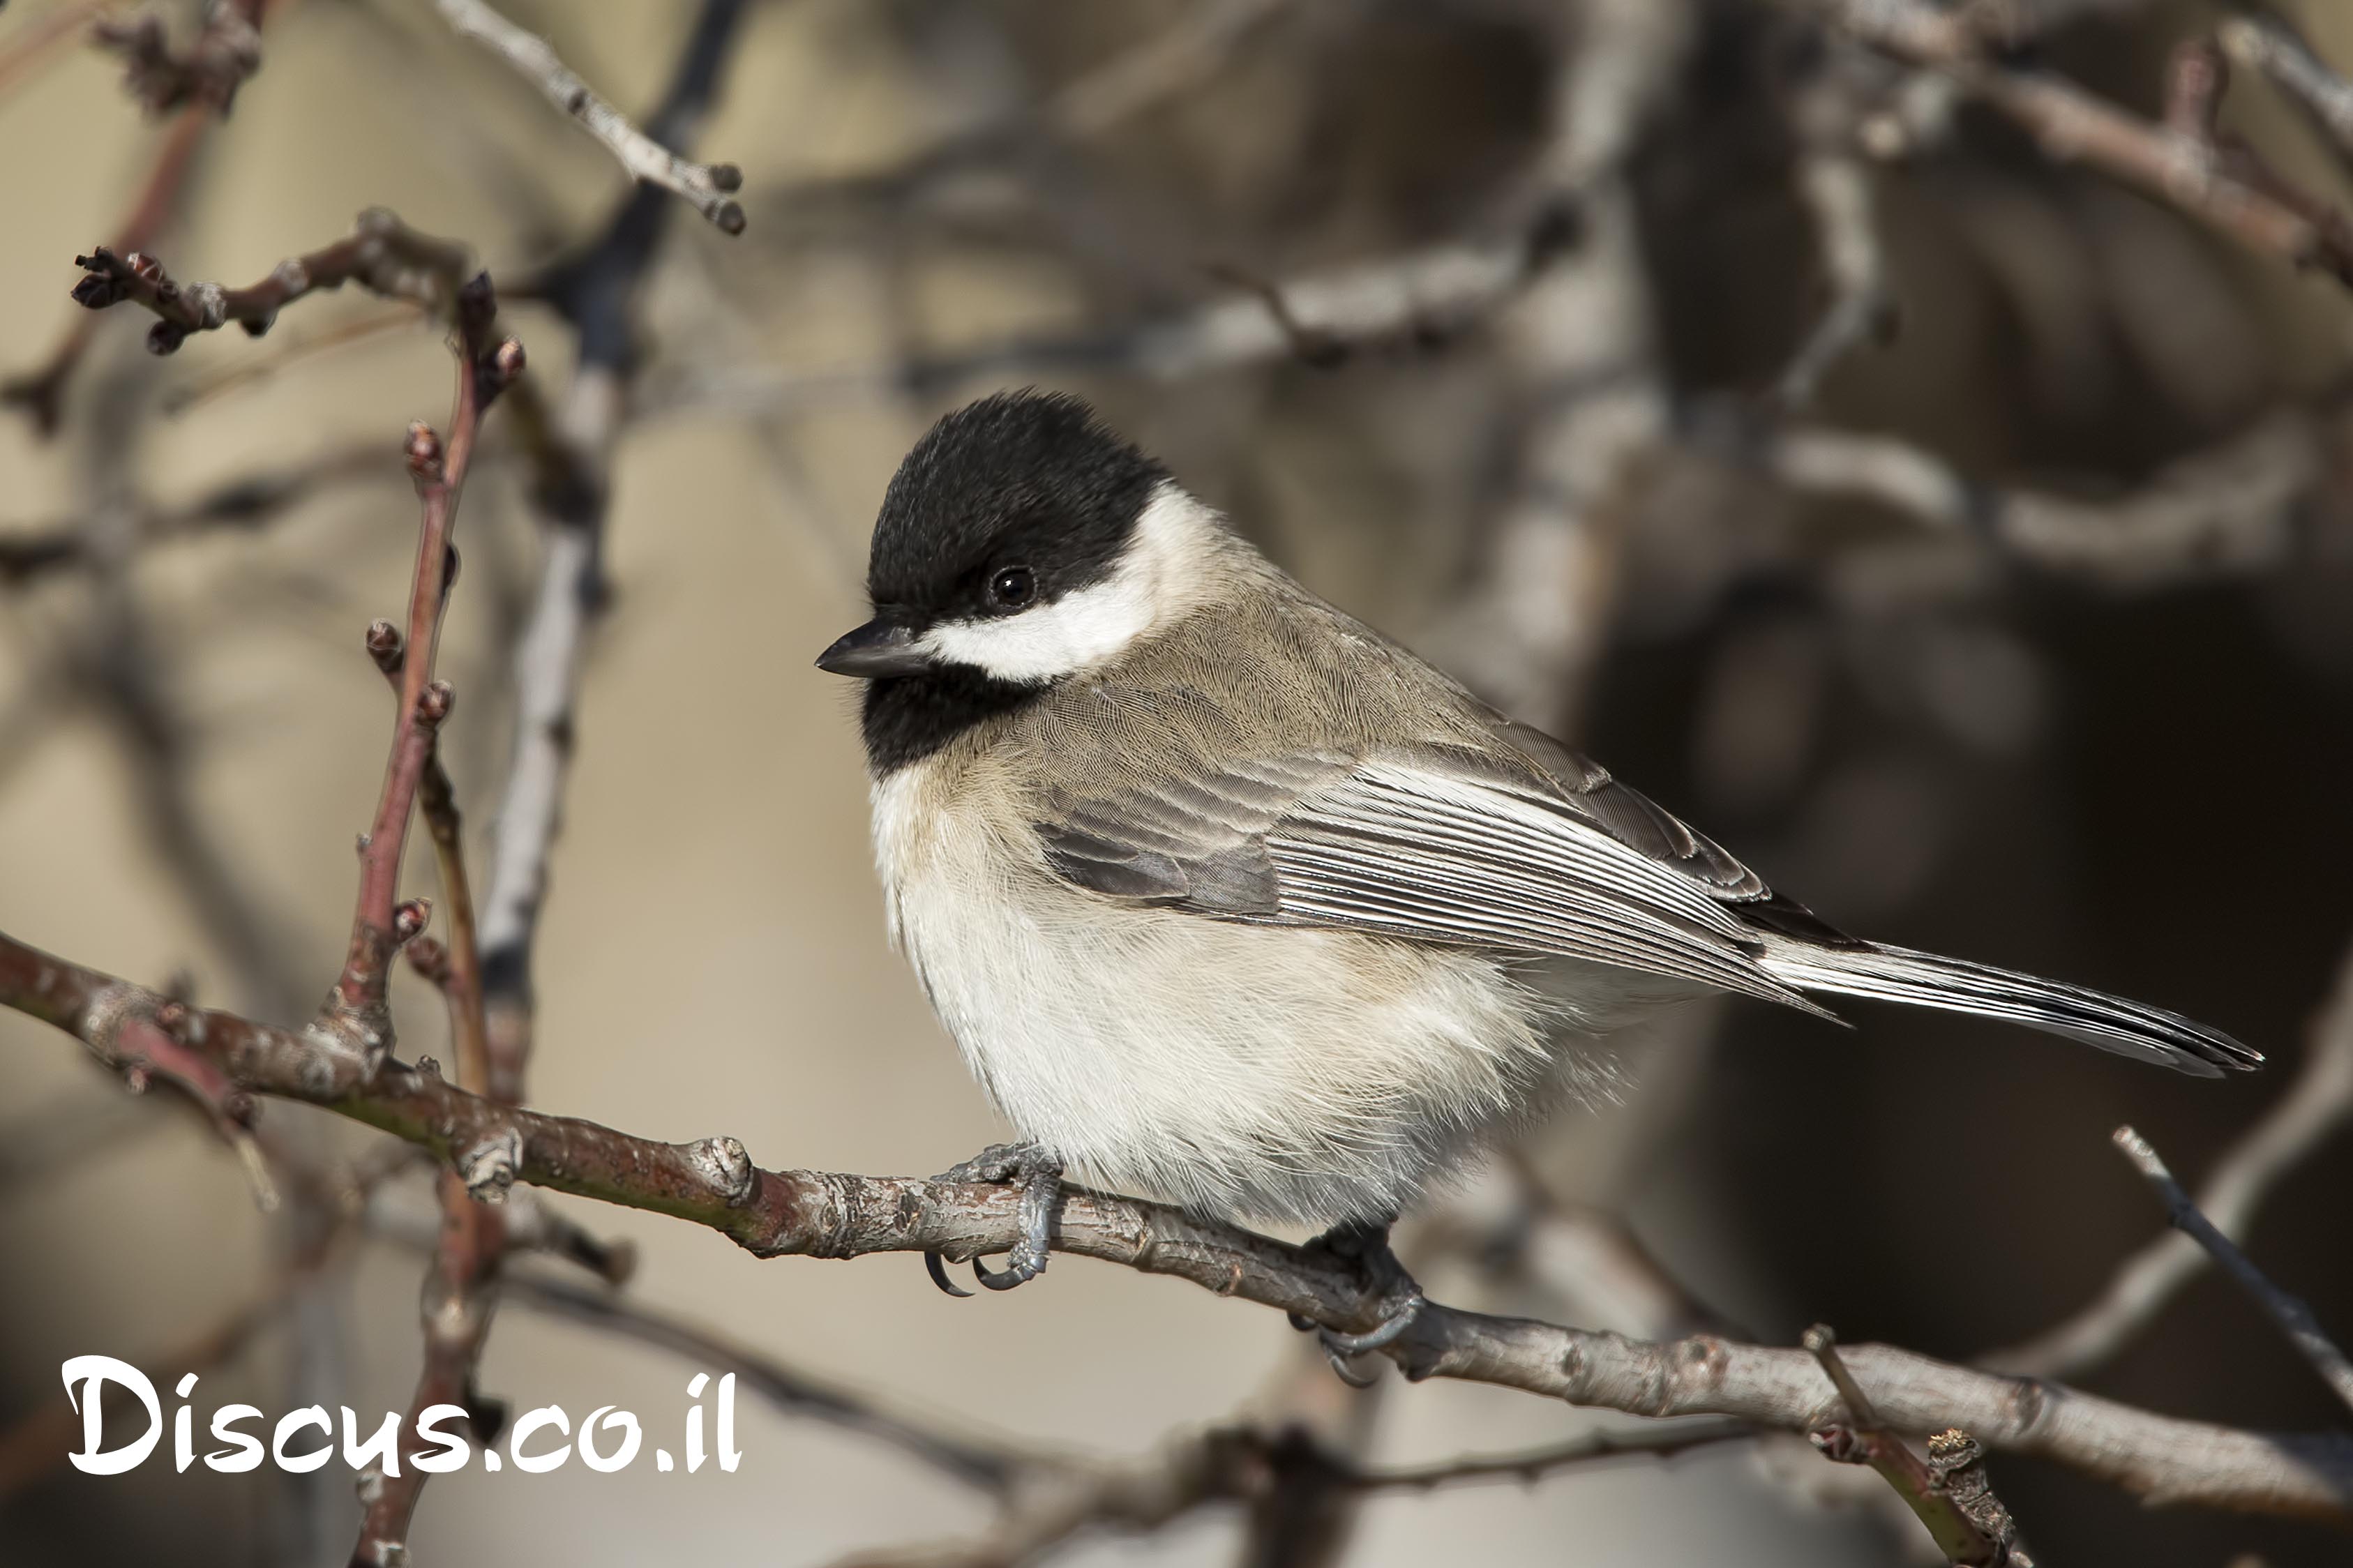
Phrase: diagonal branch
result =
(2264, 42)
(2316, 1107)
(713, 1183)
(709, 188)
(2294, 1319)
(2179, 163)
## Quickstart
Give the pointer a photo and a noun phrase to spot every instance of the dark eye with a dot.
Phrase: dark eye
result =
(1013, 587)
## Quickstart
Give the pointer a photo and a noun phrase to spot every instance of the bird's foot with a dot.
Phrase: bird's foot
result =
(1366, 1244)
(1039, 1175)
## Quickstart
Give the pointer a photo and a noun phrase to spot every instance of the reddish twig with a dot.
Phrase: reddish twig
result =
(460, 1299)
(356, 1011)
(152, 1050)
(460, 1295)
(381, 254)
(493, 1029)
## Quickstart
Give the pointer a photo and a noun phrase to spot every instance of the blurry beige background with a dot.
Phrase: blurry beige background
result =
(713, 958)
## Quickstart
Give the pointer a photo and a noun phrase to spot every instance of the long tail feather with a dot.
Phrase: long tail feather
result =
(1925, 980)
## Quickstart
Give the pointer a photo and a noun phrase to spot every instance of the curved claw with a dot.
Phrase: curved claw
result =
(1395, 1325)
(936, 1267)
(1018, 1270)
(1344, 1372)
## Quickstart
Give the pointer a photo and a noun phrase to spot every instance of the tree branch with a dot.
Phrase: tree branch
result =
(356, 1011)
(707, 187)
(2293, 1316)
(713, 1182)
(1862, 1439)
(486, 976)
(383, 255)
(2315, 1107)
(28, 555)
(2178, 163)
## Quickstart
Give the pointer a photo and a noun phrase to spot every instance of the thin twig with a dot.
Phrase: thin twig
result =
(2317, 1107)
(795, 1392)
(2227, 508)
(708, 187)
(1397, 307)
(2262, 41)
(356, 1012)
(237, 378)
(1052, 1502)
(383, 255)
(485, 973)
(2290, 1312)
(596, 292)
(2221, 184)
(1862, 1439)
(1834, 183)
(31, 555)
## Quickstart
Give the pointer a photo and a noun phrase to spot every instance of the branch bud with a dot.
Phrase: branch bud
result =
(506, 363)
(488, 1168)
(385, 645)
(433, 704)
(424, 453)
(409, 920)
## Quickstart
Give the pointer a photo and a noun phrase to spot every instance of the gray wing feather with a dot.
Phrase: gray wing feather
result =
(1526, 848)
(1441, 844)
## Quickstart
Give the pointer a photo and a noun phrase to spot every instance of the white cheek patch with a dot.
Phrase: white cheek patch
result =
(1153, 582)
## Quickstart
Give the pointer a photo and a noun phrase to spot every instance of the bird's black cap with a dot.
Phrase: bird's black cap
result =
(1027, 479)
(1027, 476)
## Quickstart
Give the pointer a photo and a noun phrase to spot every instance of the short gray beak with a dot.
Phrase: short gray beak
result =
(879, 648)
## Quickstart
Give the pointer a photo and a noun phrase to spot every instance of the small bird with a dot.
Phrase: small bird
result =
(1227, 896)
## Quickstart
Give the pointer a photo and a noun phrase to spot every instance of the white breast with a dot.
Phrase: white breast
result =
(1312, 1076)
